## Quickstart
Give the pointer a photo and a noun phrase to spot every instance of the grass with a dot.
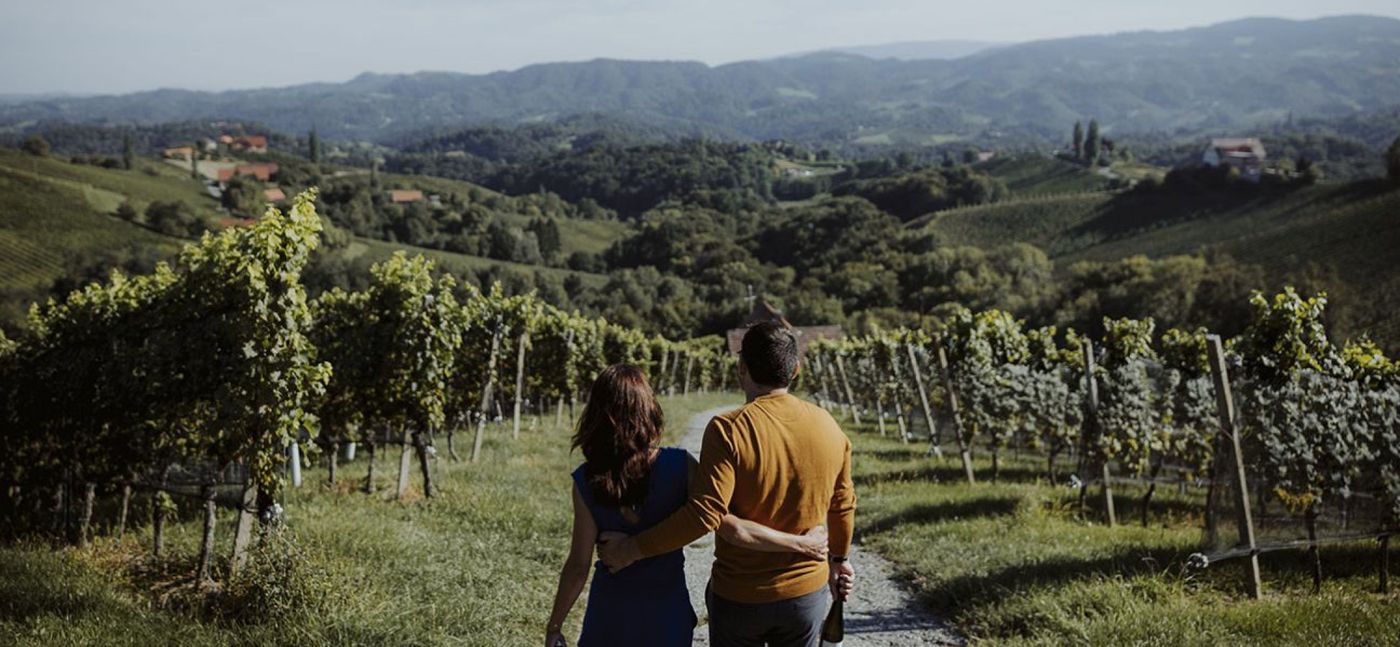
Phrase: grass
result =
(1010, 564)
(1031, 174)
(49, 225)
(476, 565)
(1007, 562)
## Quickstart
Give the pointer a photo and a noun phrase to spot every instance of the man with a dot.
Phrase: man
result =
(783, 463)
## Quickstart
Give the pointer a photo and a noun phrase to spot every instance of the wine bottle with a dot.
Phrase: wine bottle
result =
(834, 629)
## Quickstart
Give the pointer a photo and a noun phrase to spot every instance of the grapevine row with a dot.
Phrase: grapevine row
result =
(213, 369)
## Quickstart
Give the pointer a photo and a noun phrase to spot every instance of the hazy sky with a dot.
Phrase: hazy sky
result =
(88, 46)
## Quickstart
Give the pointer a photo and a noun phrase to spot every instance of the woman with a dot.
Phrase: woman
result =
(627, 484)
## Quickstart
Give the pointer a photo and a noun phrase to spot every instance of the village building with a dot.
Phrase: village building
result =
(246, 143)
(1245, 154)
(274, 194)
(263, 171)
(763, 311)
(402, 196)
(178, 153)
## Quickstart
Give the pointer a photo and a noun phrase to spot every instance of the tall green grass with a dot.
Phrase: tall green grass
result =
(1010, 563)
(475, 565)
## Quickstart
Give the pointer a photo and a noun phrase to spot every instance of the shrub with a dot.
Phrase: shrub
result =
(276, 583)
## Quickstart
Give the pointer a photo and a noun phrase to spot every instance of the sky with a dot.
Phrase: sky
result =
(115, 46)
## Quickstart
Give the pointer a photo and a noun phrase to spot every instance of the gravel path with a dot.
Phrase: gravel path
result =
(879, 612)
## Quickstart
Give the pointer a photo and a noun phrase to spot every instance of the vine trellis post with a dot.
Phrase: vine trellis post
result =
(933, 447)
(1230, 431)
(488, 389)
(964, 451)
(1091, 429)
(846, 385)
(519, 381)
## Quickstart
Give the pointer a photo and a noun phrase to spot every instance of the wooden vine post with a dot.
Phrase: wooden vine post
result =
(124, 509)
(846, 386)
(689, 363)
(671, 380)
(1230, 432)
(661, 372)
(1091, 427)
(953, 410)
(825, 382)
(488, 389)
(405, 460)
(521, 343)
(206, 546)
(559, 402)
(933, 448)
(243, 531)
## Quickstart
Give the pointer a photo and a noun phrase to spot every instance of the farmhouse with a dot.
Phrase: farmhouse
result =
(763, 311)
(178, 153)
(401, 196)
(248, 143)
(1245, 153)
(263, 171)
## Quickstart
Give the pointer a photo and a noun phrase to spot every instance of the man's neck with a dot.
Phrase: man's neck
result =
(762, 391)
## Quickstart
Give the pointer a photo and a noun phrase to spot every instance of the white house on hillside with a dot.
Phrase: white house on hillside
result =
(1244, 153)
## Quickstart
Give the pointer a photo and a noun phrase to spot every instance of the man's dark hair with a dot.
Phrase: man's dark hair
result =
(770, 352)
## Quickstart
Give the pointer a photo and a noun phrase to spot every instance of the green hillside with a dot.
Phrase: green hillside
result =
(1033, 174)
(575, 234)
(53, 217)
(1345, 235)
(56, 222)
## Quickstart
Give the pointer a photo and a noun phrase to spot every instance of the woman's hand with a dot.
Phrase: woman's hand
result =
(813, 543)
(609, 535)
(555, 639)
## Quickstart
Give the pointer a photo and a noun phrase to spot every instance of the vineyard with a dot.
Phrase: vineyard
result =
(215, 377)
(145, 405)
(1274, 431)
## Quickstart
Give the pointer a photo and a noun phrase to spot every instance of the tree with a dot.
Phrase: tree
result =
(243, 195)
(1392, 161)
(1092, 143)
(128, 153)
(547, 233)
(37, 146)
(1078, 140)
(313, 147)
(194, 161)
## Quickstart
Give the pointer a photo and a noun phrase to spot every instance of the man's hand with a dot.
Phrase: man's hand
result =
(843, 579)
(813, 543)
(617, 551)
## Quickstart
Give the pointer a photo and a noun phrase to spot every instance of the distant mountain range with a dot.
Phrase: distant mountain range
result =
(1230, 75)
(912, 50)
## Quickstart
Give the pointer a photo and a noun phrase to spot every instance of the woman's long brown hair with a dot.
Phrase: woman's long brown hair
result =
(620, 425)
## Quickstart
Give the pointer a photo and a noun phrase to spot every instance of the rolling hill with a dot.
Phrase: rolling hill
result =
(1227, 75)
(56, 222)
(1344, 236)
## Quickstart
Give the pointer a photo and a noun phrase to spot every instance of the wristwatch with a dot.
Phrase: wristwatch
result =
(837, 559)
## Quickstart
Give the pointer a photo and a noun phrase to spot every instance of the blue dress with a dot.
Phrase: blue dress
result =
(646, 603)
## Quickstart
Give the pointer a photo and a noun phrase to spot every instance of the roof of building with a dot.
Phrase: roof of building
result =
(764, 311)
(1241, 145)
(405, 195)
(274, 194)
